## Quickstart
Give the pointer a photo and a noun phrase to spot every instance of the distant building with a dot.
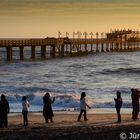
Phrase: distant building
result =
(125, 35)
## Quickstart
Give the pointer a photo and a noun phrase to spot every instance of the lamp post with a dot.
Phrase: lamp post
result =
(59, 34)
(59, 42)
(91, 34)
(107, 44)
(85, 33)
(79, 39)
(102, 35)
(73, 37)
(137, 39)
(97, 49)
(73, 41)
(67, 34)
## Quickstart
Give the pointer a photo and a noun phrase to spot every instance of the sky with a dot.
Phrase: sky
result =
(42, 18)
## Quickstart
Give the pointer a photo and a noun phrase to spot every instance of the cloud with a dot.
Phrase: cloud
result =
(49, 8)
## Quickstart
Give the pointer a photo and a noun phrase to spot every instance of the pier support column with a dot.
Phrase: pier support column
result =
(91, 49)
(9, 53)
(21, 52)
(128, 46)
(102, 47)
(70, 51)
(80, 49)
(32, 52)
(59, 50)
(66, 49)
(117, 46)
(52, 53)
(86, 47)
(107, 47)
(43, 52)
(97, 47)
(124, 45)
(62, 50)
(121, 47)
(112, 46)
(134, 46)
(137, 45)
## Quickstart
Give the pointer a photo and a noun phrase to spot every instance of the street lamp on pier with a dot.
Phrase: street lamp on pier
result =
(97, 49)
(85, 33)
(79, 39)
(59, 34)
(73, 39)
(102, 35)
(67, 34)
(91, 34)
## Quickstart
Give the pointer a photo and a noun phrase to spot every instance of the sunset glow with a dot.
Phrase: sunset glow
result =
(33, 18)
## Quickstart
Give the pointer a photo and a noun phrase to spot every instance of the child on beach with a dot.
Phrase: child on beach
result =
(25, 109)
(83, 106)
(118, 105)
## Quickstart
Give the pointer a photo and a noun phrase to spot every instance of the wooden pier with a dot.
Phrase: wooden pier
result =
(124, 40)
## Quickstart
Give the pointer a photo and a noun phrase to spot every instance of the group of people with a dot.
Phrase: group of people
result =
(47, 109)
(135, 94)
(48, 112)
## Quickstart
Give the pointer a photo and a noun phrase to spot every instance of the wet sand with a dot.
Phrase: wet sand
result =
(66, 127)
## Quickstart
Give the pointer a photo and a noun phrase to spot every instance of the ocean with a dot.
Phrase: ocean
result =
(100, 75)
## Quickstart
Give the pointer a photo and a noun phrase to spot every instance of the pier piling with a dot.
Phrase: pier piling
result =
(32, 52)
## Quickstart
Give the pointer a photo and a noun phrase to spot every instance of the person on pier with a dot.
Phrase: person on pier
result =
(4, 110)
(118, 105)
(47, 108)
(83, 106)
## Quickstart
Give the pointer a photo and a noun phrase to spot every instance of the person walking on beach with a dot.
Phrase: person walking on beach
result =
(4, 110)
(25, 109)
(118, 105)
(135, 103)
(47, 108)
(83, 106)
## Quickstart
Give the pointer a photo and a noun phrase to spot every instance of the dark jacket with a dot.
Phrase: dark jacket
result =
(4, 110)
(118, 102)
(47, 108)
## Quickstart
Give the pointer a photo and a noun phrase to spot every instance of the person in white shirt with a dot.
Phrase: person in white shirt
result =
(83, 106)
(25, 109)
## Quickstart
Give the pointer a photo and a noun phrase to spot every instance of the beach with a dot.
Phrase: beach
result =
(66, 127)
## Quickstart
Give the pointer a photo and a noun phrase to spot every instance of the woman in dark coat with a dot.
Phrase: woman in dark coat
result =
(47, 107)
(4, 110)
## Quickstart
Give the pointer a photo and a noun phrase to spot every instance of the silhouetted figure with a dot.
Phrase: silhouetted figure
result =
(25, 109)
(83, 106)
(4, 110)
(118, 105)
(47, 107)
(135, 103)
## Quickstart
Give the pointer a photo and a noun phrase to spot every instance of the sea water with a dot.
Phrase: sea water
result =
(100, 75)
